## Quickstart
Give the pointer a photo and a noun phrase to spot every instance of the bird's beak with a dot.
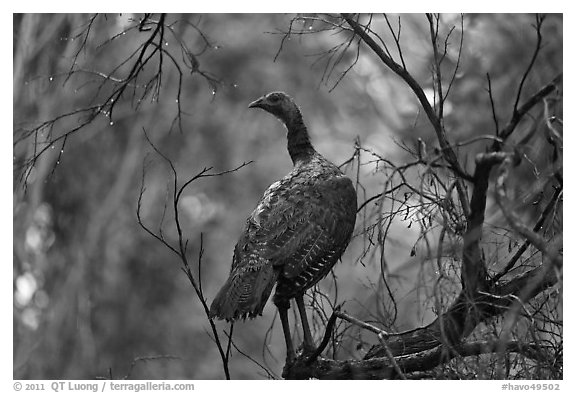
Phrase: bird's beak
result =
(257, 103)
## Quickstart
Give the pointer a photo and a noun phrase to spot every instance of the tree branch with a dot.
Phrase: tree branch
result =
(181, 250)
(488, 307)
(382, 368)
(448, 152)
(529, 104)
(537, 227)
(474, 273)
(549, 251)
(427, 347)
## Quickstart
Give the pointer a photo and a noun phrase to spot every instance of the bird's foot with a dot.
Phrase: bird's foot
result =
(303, 360)
(308, 348)
(305, 352)
(290, 358)
(290, 361)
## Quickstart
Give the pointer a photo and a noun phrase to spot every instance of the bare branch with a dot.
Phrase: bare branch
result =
(529, 104)
(396, 37)
(269, 374)
(537, 227)
(433, 23)
(492, 105)
(538, 47)
(450, 155)
(550, 251)
(181, 250)
(327, 334)
(460, 46)
(381, 367)
(382, 335)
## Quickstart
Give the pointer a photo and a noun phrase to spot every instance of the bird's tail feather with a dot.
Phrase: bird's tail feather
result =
(244, 294)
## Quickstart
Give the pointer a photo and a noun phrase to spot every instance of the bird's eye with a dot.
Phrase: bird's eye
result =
(274, 98)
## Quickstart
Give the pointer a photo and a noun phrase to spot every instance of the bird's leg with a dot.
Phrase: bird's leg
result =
(283, 310)
(308, 342)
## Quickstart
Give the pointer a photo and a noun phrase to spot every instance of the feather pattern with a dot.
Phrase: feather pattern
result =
(296, 233)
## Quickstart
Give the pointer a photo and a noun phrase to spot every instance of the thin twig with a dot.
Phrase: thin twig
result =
(241, 352)
(493, 105)
(449, 153)
(551, 252)
(181, 250)
(537, 48)
(537, 227)
(382, 335)
(326, 339)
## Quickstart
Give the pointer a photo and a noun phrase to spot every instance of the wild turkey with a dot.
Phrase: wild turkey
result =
(298, 231)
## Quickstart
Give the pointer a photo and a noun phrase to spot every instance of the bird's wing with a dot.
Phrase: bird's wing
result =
(297, 225)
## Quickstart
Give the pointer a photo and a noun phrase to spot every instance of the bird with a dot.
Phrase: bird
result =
(299, 229)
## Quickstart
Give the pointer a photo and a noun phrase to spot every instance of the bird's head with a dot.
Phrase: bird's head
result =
(279, 104)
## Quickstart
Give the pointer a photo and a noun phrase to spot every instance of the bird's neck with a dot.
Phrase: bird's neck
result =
(299, 146)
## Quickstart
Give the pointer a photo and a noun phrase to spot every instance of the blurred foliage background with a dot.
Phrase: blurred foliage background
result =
(96, 296)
